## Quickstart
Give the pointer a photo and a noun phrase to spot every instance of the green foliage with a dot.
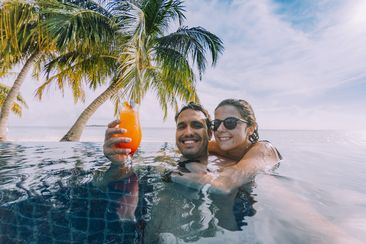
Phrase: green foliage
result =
(86, 43)
(17, 106)
(17, 38)
(85, 37)
(21, 32)
(160, 61)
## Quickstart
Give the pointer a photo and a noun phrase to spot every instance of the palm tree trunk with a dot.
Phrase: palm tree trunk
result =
(13, 93)
(76, 130)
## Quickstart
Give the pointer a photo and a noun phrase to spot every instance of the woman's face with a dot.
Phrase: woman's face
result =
(237, 138)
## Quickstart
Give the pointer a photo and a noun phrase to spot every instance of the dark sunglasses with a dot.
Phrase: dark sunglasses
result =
(230, 123)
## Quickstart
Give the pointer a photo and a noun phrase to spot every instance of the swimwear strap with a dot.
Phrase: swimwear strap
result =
(167, 175)
(182, 164)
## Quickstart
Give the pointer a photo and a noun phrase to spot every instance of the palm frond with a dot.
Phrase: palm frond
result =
(160, 13)
(75, 68)
(73, 27)
(163, 63)
(17, 106)
(169, 92)
(194, 42)
(173, 64)
(19, 29)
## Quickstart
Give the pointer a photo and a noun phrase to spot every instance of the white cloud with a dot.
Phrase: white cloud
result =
(287, 66)
(271, 62)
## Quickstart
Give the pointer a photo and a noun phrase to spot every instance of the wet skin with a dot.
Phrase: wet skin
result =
(233, 142)
(192, 135)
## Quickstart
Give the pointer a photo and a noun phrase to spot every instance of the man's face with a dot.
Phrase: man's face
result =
(191, 134)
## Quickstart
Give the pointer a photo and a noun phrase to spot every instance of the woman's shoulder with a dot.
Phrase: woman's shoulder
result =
(260, 145)
(267, 146)
(265, 142)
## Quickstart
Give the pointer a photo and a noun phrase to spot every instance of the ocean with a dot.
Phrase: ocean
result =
(51, 192)
(90, 134)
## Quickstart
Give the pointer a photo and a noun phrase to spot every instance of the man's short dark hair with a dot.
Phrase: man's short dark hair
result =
(196, 107)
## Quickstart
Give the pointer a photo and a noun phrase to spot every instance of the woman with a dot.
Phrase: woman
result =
(236, 138)
(236, 132)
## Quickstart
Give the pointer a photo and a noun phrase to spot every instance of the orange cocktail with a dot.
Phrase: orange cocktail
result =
(129, 120)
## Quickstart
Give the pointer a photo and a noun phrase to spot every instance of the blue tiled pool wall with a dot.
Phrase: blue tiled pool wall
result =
(74, 213)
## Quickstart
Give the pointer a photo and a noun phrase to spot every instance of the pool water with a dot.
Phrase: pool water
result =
(60, 193)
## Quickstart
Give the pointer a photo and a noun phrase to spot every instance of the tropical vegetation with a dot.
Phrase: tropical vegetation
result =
(22, 42)
(125, 43)
(17, 107)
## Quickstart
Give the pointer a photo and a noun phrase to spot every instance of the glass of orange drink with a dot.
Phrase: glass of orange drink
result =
(129, 120)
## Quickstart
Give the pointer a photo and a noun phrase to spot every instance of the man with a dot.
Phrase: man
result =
(192, 135)
(193, 131)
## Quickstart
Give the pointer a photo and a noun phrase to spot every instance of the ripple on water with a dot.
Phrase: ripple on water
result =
(47, 190)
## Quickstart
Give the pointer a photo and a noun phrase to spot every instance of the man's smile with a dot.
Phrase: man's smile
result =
(190, 141)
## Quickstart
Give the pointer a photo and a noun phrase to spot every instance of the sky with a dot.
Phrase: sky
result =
(300, 63)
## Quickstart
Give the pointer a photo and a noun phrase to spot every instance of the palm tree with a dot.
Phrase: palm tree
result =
(27, 35)
(17, 106)
(78, 65)
(21, 40)
(148, 58)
